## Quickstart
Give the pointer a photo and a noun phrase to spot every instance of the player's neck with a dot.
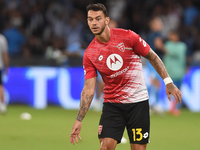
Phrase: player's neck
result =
(104, 37)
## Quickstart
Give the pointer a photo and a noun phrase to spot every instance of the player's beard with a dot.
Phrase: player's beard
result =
(101, 30)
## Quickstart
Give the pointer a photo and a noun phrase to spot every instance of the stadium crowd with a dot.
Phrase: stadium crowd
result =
(55, 32)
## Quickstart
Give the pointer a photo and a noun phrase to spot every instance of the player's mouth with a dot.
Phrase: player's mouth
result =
(95, 28)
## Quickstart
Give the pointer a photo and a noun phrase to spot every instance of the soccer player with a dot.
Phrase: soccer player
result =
(116, 54)
(4, 62)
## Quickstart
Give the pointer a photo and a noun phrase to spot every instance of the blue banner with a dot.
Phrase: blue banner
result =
(39, 87)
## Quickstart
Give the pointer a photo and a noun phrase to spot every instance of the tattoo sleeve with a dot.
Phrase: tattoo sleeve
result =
(86, 99)
(157, 63)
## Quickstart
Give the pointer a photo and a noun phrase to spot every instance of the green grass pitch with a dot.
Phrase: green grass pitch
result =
(50, 129)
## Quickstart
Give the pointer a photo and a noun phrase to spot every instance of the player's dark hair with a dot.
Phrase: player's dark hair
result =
(98, 7)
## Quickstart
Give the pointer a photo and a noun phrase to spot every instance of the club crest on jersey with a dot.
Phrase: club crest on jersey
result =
(100, 129)
(121, 47)
(114, 62)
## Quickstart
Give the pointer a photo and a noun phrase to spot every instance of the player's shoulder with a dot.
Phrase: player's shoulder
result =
(120, 31)
(123, 32)
(91, 48)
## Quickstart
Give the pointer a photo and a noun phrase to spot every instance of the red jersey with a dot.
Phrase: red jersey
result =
(120, 66)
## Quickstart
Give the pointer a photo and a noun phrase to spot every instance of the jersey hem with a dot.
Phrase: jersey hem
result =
(124, 101)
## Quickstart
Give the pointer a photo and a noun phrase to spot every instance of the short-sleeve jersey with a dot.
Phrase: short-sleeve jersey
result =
(119, 63)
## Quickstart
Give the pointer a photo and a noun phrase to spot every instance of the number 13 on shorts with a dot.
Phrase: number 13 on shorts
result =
(137, 134)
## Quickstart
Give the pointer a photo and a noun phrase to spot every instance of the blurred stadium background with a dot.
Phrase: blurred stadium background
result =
(46, 41)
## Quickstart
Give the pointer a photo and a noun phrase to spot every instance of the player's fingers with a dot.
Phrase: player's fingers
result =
(72, 140)
(76, 139)
(168, 95)
(179, 96)
(176, 97)
(79, 136)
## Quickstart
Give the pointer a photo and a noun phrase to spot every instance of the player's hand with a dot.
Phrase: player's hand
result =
(76, 132)
(172, 89)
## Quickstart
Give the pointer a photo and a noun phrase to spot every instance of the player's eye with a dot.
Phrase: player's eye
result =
(90, 19)
(98, 19)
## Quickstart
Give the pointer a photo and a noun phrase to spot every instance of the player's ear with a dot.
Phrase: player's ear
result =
(107, 20)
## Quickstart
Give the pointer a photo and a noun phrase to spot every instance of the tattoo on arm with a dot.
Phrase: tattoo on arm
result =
(85, 102)
(157, 63)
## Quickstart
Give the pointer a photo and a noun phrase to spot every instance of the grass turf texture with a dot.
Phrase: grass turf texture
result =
(50, 129)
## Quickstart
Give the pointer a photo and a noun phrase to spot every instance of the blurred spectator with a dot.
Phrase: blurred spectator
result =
(4, 63)
(175, 58)
(154, 38)
(13, 34)
(175, 62)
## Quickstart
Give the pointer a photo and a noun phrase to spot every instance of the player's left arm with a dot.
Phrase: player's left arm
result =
(157, 63)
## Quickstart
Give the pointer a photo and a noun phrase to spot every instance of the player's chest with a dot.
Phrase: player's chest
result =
(112, 58)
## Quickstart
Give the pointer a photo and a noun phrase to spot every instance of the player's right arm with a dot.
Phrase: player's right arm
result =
(87, 95)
